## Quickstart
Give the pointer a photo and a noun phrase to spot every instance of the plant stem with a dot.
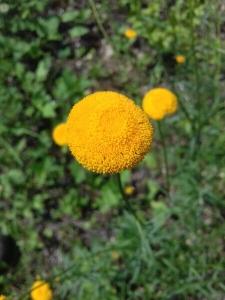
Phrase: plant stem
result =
(162, 138)
(129, 207)
(101, 27)
(197, 122)
(183, 108)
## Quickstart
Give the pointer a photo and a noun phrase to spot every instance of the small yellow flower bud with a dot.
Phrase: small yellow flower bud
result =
(59, 134)
(180, 59)
(129, 190)
(130, 33)
(115, 255)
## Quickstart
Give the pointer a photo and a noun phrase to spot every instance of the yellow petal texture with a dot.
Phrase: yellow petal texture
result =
(108, 133)
(2, 297)
(41, 291)
(59, 134)
(130, 33)
(159, 102)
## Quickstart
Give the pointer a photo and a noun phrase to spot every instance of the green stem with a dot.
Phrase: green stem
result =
(197, 123)
(162, 138)
(181, 104)
(101, 27)
(183, 108)
(129, 207)
(216, 76)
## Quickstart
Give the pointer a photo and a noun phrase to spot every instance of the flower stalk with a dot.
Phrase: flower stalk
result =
(162, 138)
(124, 196)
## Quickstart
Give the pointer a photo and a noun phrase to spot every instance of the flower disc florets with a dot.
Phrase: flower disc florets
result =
(158, 103)
(108, 133)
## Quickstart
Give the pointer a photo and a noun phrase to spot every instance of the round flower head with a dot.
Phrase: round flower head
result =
(130, 33)
(41, 291)
(129, 190)
(59, 134)
(180, 59)
(158, 103)
(108, 133)
(2, 297)
(115, 255)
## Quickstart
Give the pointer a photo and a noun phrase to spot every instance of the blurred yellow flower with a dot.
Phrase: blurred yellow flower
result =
(41, 291)
(115, 255)
(129, 190)
(59, 134)
(2, 297)
(130, 33)
(108, 133)
(57, 278)
(159, 102)
(180, 59)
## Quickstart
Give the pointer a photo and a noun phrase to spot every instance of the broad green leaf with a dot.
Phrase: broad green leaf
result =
(78, 31)
(48, 111)
(70, 16)
(43, 68)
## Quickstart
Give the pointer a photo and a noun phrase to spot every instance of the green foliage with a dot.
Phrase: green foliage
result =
(72, 226)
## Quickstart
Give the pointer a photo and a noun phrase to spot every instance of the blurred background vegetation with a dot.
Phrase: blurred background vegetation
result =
(71, 225)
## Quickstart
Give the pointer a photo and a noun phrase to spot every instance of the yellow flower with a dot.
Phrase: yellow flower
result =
(41, 291)
(57, 278)
(115, 255)
(129, 190)
(159, 102)
(59, 134)
(130, 33)
(180, 59)
(2, 297)
(108, 133)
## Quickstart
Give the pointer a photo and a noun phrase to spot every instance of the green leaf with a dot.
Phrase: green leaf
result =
(48, 111)
(48, 232)
(125, 176)
(70, 16)
(150, 160)
(48, 28)
(78, 31)
(109, 199)
(77, 171)
(159, 207)
(154, 21)
(43, 68)
(16, 176)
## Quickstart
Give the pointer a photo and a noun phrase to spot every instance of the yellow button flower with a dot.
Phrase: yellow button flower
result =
(59, 134)
(180, 59)
(108, 133)
(159, 102)
(2, 297)
(129, 190)
(130, 33)
(41, 291)
(115, 255)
